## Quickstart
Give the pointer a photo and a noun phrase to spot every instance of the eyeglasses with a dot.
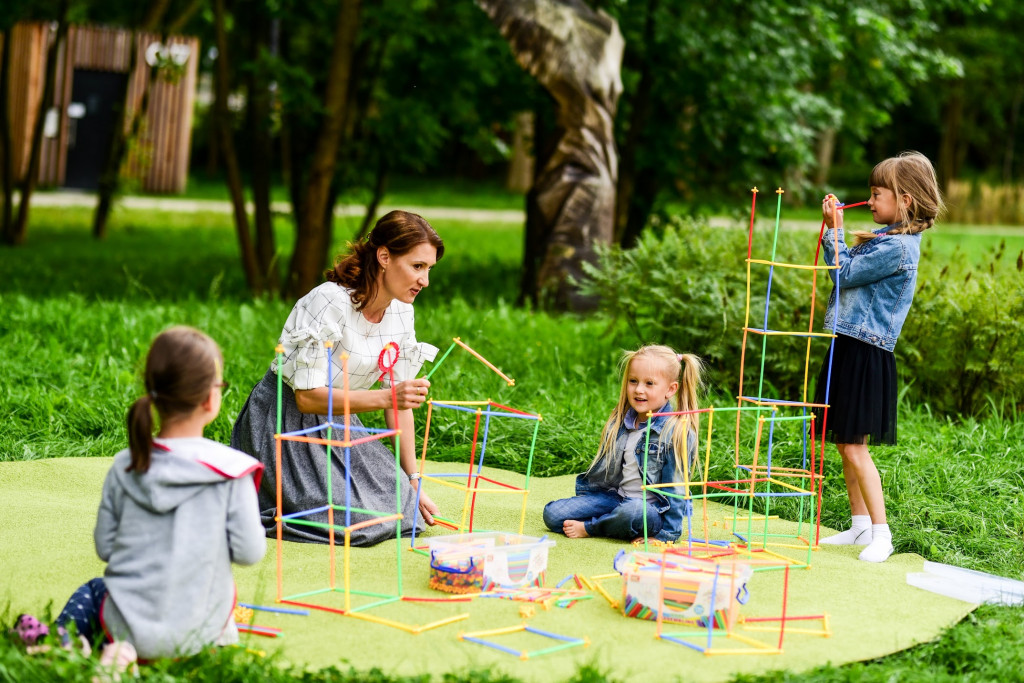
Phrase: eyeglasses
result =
(224, 385)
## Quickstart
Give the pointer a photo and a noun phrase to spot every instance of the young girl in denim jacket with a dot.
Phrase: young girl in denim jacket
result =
(609, 500)
(876, 280)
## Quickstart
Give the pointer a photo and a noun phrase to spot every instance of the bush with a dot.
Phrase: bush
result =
(981, 203)
(684, 284)
(963, 343)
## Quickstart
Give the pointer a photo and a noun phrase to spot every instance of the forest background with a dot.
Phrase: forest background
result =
(435, 112)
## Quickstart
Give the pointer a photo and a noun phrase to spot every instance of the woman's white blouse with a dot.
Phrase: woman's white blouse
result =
(327, 314)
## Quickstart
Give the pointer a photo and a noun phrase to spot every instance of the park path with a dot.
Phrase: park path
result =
(185, 205)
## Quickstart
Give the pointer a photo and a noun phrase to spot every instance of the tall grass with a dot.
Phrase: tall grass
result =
(981, 203)
(76, 318)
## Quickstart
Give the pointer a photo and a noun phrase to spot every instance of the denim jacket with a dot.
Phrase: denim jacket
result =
(606, 474)
(876, 285)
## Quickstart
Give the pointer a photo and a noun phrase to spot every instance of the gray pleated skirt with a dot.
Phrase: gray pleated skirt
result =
(304, 471)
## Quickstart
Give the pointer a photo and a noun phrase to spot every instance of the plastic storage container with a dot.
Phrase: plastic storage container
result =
(693, 588)
(481, 561)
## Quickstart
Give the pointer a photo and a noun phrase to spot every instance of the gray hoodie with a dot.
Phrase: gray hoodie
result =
(169, 537)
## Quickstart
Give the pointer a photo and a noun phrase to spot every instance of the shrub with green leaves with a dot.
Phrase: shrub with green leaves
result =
(684, 284)
(962, 347)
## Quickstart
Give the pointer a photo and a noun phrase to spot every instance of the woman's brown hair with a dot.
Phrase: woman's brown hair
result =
(181, 368)
(358, 269)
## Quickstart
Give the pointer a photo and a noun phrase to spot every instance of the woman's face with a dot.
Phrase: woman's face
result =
(403, 277)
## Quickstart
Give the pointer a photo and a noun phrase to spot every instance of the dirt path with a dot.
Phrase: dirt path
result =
(183, 205)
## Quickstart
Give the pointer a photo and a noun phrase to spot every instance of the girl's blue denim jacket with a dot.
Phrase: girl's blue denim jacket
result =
(876, 285)
(606, 474)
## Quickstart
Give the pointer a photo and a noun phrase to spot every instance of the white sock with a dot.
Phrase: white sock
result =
(880, 547)
(859, 533)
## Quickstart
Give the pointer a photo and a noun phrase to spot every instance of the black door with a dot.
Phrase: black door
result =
(94, 97)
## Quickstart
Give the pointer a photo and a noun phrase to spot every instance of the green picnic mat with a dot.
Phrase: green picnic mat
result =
(47, 512)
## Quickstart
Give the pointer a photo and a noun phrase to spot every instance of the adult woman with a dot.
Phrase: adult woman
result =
(365, 304)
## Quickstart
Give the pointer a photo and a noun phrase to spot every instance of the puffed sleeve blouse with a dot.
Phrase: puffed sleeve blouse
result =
(328, 314)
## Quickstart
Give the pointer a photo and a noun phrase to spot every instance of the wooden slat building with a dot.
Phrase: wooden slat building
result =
(92, 67)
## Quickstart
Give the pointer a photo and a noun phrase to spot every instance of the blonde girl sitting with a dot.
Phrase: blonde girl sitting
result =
(610, 500)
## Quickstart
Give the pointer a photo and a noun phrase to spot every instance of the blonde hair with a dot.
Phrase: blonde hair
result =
(686, 369)
(912, 174)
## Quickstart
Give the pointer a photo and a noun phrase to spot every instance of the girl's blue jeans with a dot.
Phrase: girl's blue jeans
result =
(604, 514)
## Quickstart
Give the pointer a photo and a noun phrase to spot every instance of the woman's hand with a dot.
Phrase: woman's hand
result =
(829, 211)
(411, 393)
(428, 508)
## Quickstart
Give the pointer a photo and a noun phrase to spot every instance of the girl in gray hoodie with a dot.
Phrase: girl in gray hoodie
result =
(176, 511)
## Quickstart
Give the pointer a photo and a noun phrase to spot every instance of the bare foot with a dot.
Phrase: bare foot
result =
(574, 529)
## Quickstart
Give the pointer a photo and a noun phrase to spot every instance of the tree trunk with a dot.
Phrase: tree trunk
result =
(379, 186)
(1011, 143)
(176, 26)
(626, 229)
(952, 117)
(213, 150)
(535, 243)
(641, 204)
(128, 129)
(110, 181)
(633, 206)
(520, 168)
(6, 154)
(369, 61)
(258, 109)
(28, 183)
(826, 152)
(253, 274)
(312, 238)
(332, 201)
(111, 174)
(576, 54)
(155, 15)
(537, 232)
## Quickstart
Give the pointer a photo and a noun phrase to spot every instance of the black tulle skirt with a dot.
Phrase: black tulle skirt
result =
(861, 395)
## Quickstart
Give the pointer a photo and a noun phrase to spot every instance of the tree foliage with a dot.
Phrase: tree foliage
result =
(418, 90)
(970, 120)
(718, 95)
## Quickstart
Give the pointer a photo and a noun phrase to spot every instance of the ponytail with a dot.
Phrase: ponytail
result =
(913, 227)
(357, 271)
(140, 434)
(690, 382)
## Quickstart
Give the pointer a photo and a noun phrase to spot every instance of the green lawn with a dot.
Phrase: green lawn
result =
(76, 317)
(411, 191)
